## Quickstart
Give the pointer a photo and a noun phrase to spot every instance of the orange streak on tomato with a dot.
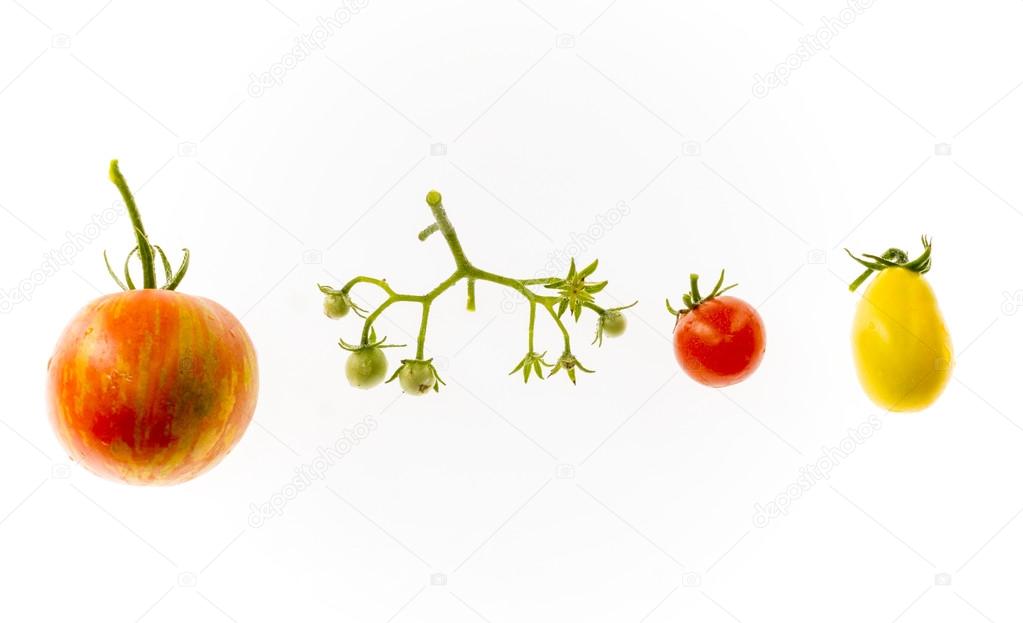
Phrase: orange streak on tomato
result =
(152, 387)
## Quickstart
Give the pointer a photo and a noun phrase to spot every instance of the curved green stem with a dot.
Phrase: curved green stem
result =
(145, 249)
(381, 283)
(538, 281)
(368, 325)
(564, 332)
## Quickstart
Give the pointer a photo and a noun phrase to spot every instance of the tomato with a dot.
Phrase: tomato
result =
(718, 340)
(417, 376)
(366, 367)
(901, 347)
(152, 386)
(614, 323)
(336, 306)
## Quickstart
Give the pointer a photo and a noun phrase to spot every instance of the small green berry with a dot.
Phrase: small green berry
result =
(614, 323)
(417, 378)
(336, 305)
(366, 367)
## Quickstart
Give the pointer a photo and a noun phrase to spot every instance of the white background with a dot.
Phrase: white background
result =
(630, 497)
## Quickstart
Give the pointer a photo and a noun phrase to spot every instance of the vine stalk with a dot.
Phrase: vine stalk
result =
(464, 269)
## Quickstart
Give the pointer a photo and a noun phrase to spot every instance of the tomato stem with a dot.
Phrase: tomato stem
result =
(691, 299)
(145, 250)
(464, 269)
(892, 258)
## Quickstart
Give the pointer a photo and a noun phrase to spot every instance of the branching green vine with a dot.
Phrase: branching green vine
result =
(417, 375)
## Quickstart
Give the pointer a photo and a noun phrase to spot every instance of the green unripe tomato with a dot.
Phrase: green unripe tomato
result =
(416, 378)
(614, 323)
(336, 306)
(366, 367)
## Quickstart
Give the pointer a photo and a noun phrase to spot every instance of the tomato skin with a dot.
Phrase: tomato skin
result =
(366, 368)
(151, 386)
(416, 378)
(720, 342)
(901, 347)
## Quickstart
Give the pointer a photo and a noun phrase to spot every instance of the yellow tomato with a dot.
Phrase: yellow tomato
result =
(902, 349)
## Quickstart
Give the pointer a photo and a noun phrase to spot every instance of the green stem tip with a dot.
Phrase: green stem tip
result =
(146, 251)
(693, 298)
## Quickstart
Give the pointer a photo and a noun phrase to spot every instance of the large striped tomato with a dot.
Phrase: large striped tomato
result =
(151, 386)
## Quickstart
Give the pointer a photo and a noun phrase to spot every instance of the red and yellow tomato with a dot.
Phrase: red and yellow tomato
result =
(152, 386)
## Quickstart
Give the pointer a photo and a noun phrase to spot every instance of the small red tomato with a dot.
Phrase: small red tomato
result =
(151, 386)
(719, 340)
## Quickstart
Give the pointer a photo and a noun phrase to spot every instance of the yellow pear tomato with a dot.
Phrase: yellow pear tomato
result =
(901, 347)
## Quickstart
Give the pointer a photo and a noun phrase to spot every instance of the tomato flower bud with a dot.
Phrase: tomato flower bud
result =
(569, 363)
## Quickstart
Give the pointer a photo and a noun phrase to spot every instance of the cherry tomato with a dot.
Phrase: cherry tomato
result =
(901, 346)
(336, 306)
(614, 323)
(366, 367)
(718, 340)
(418, 377)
